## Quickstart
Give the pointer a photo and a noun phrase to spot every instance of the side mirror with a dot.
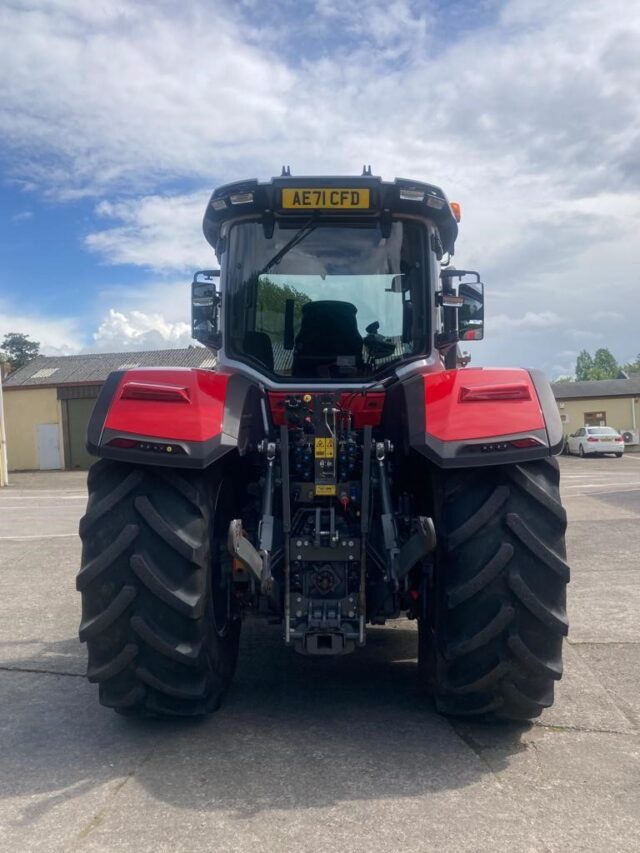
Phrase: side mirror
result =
(205, 309)
(471, 311)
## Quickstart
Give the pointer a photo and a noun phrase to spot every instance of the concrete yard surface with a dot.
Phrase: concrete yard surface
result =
(325, 754)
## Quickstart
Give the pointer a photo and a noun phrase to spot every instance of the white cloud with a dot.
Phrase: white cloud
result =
(59, 336)
(530, 322)
(137, 330)
(585, 336)
(162, 233)
(530, 120)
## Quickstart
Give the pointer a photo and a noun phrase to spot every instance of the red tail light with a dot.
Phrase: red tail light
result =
(592, 439)
(155, 391)
(523, 443)
(619, 438)
(489, 393)
(124, 443)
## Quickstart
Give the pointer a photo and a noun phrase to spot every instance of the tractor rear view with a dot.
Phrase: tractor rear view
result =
(337, 468)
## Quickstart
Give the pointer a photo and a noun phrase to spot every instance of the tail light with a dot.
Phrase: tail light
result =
(619, 438)
(490, 393)
(155, 391)
(592, 439)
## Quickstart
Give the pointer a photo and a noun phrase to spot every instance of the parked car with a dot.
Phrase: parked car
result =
(592, 441)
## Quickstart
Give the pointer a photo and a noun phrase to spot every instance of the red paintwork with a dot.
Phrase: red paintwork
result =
(366, 410)
(196, 419)
(449, 419)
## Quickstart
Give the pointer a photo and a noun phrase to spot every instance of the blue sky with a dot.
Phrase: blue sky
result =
(118, 118)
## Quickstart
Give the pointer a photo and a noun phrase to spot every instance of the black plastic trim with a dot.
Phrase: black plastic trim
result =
(464, 454)
(555, 433)
(197, 454)
(384, 196)
(101, 409)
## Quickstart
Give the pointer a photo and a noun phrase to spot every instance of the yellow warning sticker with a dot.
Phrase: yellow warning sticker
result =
(324, 448)
(325, 490)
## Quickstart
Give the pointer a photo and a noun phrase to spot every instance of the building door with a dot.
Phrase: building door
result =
(48, 447)
(78, 414)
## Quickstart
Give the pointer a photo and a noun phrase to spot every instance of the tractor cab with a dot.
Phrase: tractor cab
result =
(328, 279)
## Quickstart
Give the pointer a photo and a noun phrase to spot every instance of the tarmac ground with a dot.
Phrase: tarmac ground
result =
(340, 754)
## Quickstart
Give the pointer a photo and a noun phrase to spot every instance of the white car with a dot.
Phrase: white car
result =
(591, 441)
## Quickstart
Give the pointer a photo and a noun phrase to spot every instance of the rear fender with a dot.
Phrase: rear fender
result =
(482, 416)
(178, 417)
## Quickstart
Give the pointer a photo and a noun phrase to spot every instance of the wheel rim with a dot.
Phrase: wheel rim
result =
(221, 560)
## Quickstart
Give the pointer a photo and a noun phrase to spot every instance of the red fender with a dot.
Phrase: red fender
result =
(173, 416)
(482, 416)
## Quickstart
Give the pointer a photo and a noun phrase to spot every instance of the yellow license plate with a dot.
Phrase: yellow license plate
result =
(325, 198)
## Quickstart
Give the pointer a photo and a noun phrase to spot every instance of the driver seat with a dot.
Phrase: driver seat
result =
(328, 332)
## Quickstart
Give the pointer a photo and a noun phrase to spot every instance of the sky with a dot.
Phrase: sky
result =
(117, 120)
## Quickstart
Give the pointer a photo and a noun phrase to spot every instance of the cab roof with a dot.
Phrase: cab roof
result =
(385, 198)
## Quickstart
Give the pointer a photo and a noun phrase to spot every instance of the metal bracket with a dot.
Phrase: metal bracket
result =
(416, 548)
(240, 548)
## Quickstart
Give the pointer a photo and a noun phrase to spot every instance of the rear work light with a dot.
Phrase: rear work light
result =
(241, 198)
(155, 391)
(407, 194)
(437, 203)
(218, 204)
(491, 393)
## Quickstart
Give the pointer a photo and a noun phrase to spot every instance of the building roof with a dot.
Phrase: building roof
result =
(597, 388)
(94, 368)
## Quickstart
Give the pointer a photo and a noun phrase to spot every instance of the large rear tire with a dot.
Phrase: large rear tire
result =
(152, 582)
(495, 615)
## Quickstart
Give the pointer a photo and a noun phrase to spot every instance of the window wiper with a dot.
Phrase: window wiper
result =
(298, 237)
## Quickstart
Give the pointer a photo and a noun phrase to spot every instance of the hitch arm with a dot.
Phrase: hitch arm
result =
(243, 550)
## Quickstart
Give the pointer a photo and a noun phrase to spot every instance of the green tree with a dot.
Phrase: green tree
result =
(632, 366)
(604, 365)
(271, 302)
(17, 349)
(584, 366)
(601, 366)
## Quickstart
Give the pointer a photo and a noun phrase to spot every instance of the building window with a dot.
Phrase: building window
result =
(44, 373)
(595, 418)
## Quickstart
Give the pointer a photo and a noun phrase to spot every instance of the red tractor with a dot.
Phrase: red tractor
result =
(336, 468)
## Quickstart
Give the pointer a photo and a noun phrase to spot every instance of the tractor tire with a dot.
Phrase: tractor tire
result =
(161, 634)
(494, 618)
